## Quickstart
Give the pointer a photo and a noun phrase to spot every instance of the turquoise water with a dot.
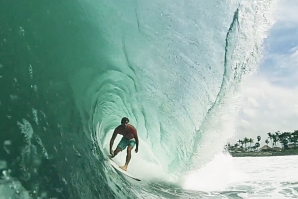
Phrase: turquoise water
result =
(69, 71)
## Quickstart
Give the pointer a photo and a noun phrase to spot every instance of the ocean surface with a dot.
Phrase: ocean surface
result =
(246, 177)
(71, 69)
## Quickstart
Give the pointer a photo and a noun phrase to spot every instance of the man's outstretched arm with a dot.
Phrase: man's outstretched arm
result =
(112, 142)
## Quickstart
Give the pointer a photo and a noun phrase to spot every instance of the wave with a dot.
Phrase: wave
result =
(72, 70)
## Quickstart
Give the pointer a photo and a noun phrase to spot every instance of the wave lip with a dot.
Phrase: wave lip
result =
(71, 70)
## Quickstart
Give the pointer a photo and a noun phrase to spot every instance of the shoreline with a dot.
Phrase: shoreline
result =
(264, 153)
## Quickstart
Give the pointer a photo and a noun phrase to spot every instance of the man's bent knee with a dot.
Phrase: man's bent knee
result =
(118, 149)
(129, 148)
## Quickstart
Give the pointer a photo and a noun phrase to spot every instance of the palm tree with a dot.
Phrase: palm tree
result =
(250, 140)
(267, 141)
(259, 138)
(277, 133)
(245, 141)
(294, 137)
(270, 137)
(240, 142)
(275, 138)
(284, 139)
(293, 140)
(257, 145)
(236, 145)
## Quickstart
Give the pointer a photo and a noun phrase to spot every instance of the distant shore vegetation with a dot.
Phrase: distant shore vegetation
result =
(277, 144)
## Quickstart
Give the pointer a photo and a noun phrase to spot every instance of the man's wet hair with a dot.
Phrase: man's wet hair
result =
(124, 120)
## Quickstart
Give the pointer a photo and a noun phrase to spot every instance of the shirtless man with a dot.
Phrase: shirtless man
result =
(129, 139)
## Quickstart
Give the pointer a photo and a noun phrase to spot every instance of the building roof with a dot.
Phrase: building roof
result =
(265, 147)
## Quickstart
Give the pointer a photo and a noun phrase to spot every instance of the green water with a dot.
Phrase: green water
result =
(70, 70)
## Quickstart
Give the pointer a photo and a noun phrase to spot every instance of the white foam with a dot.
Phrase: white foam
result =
(214, 176)
(143, 164)
(26, 129)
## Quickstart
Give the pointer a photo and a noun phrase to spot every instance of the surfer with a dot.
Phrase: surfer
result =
(129, 140)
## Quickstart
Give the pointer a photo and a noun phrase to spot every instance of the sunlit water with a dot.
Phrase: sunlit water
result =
(251, 177)
(71, 69)
(268, 177)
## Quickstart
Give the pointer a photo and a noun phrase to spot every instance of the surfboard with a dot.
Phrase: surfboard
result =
(119, 170)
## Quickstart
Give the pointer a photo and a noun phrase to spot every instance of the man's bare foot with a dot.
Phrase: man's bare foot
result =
(124, 168)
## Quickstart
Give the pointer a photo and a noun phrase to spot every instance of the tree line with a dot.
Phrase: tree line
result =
(284, 138)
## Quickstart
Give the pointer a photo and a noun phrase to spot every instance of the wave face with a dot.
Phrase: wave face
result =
(71, 70)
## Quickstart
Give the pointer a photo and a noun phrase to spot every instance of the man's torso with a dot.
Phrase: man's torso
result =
(128, 133)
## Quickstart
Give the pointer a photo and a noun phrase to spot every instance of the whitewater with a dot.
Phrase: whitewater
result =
(69, 71)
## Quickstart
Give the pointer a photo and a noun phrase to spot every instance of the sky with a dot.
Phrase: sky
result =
(270, 96)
